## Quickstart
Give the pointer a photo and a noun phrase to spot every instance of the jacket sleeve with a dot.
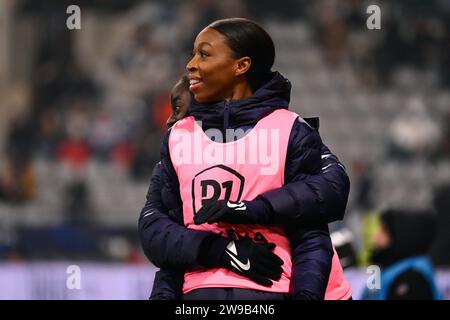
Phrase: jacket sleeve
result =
(164, 238)
(312, 255)
(316, 184)
(166, 242)
(302, 196)
(167, 285)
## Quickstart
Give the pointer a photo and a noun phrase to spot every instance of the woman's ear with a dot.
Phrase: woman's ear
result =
(243, 65)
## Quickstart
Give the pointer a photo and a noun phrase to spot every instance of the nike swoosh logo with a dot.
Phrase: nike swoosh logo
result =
(237, 206)
(232, 252)
(237, 262)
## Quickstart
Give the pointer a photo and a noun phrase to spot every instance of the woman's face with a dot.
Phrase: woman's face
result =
(212, 69)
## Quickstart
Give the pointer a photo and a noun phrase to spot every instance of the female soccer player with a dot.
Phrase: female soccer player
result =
(233, 87)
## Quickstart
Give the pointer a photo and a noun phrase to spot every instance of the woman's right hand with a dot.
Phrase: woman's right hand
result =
(252, 260)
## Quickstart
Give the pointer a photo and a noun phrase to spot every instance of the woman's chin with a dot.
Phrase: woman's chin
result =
(207, 99)
(202, 99)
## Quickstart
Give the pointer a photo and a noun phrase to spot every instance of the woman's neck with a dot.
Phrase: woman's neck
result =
(241, 91)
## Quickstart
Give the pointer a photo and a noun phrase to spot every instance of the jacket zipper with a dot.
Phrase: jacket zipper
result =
(226, 118)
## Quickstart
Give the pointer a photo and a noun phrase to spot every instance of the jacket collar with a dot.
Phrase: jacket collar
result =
(272, 95)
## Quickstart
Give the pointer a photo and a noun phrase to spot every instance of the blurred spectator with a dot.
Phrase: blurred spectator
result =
(161, 111)
(73, 149)
(78, 209)
(143, 64)
(103, 134)
(419, 29)
(17, 181)
(332, 32)
(20, 140)
(123, 154)
(407, 141)
(362, 185)
(148, 135)
(50, 134)
(401, 246)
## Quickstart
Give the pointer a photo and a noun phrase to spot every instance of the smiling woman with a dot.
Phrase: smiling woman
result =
(237, 200)
(229, 67)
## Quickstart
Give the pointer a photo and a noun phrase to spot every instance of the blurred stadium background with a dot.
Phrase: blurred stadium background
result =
(82, 113)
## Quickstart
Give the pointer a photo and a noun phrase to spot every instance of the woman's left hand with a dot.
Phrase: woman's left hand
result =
(223, 211)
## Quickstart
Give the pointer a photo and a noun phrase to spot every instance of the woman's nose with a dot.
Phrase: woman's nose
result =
(192, 64)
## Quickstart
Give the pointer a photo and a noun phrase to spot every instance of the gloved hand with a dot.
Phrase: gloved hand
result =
(252, 260)
(224, 211)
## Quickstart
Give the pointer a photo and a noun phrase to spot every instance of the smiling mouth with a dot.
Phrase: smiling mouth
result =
(194, 84)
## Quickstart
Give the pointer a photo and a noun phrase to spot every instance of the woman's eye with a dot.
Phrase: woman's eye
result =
(202, 54)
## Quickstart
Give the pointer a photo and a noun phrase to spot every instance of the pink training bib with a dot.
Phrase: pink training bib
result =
(338, 287)
(238, 170)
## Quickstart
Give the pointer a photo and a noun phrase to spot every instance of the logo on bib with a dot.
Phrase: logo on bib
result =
(218, 182)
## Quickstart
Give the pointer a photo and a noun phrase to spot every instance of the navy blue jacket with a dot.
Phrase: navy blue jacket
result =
(315, 193)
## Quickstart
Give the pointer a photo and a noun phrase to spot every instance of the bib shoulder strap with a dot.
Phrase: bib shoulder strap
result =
(281, 118)
(185, 123)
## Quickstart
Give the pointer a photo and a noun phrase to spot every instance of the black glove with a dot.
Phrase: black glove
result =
(224, 211)
(252, 260)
